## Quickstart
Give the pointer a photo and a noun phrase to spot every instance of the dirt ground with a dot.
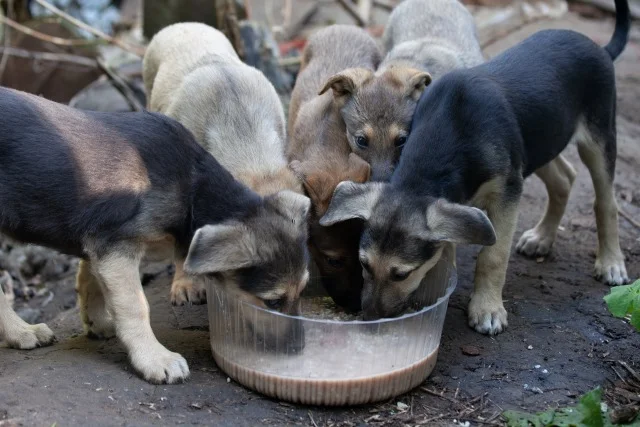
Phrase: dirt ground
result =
(561, 341)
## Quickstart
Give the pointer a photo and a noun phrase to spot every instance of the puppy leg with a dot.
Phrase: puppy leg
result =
(184, 290)
(486, 311)
(18, 333)
(118, 275)
(609, 265)
(558, 177)
(97, 321)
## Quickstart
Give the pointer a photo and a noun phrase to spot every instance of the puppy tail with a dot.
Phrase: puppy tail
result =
(621, 33)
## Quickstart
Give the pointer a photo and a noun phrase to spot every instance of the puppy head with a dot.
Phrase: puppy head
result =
(335, 248)
(402, 240)
(261, 259)
(377, 111)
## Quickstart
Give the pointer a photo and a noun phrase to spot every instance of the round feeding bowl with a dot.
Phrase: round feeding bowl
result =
(329, 362)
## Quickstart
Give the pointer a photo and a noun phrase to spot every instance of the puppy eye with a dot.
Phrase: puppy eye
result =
(399, 277)
(334, 262)
(362, 142)
(400, 141)
(273, 304)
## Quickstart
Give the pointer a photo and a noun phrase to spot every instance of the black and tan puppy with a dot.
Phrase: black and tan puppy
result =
(476, 135)
(105, 186)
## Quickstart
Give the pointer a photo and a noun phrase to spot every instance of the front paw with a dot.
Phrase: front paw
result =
(158, 365)
(27, 337)
(185, 290)
(611, 270)
(535, 243)
(487, 314)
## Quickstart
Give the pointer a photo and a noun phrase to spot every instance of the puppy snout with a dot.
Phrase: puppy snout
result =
(381, 171)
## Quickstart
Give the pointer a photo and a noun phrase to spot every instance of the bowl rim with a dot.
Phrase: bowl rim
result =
(453, 281)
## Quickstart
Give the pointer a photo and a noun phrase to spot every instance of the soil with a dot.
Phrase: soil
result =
(561, 341)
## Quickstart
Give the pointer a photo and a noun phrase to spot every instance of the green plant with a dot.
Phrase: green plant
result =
(624, 301)
(587, 413)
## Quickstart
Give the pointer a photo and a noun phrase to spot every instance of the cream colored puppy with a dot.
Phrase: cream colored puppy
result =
(193, 74)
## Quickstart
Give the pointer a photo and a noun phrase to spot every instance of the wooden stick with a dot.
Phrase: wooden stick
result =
(45, 37)
(626, 215)
(121, 86)
(136, 50)
(364, 9)
(49, 56)
(351, 10)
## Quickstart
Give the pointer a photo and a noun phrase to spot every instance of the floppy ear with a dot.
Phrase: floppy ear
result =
(417, 84)
(413, 80)
(459, 224)
(359, 169)
(346, 83)
(291, 205)
(318, 185)
(221, 247)
(351, 200)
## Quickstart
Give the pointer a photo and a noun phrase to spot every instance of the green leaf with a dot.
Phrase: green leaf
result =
(620, 299)
(590, 408)
(635, 317)
(586, 414)
(624, 301)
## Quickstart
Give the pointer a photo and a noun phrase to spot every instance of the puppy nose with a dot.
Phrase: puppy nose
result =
(381, 172)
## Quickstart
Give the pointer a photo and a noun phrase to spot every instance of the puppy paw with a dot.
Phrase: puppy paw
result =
(186, 291)
(487, 315)
(158, 365)
(534, 243)
(28, 336)
(611, 270)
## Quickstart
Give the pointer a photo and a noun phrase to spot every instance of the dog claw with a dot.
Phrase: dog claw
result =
(185, 291)
(487, 317)
(158, 365)
(612, 271)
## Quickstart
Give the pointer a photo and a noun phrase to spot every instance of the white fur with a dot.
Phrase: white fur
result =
(193, 74)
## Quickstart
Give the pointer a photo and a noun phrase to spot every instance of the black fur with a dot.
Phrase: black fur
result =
(511, 115)
(41, 192)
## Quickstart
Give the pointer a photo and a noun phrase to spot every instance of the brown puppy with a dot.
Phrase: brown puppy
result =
(377, 111)
(320, 154)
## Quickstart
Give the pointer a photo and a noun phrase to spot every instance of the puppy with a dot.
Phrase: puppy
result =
(104, 186)
(320, 153)
(193, 75)
(477, 134)
(436, 36)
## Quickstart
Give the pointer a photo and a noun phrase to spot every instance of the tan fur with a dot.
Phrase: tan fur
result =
(117, 276)
(127, 174)
(557, 176)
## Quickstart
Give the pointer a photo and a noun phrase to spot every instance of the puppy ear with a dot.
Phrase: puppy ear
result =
(359, 169)
(351, 200)
(346, 83)
(417, 84)
(459, 224)
(412, 80)
(291, 205)
(219, 248)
